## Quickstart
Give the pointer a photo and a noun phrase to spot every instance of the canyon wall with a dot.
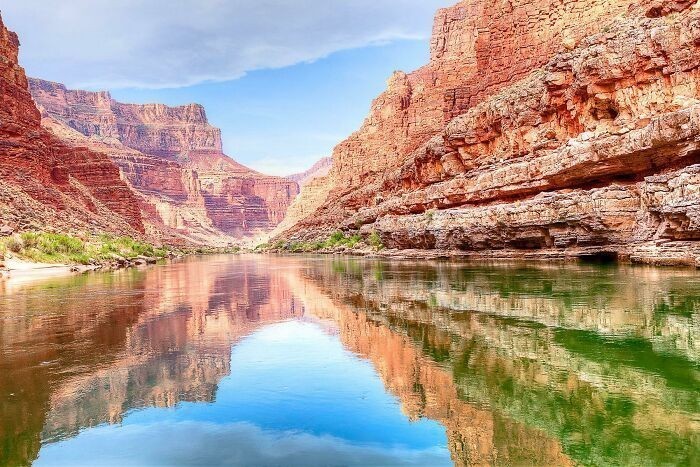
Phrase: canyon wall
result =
(551, 128)
(45, 183)
(319, 169)
(173, 159)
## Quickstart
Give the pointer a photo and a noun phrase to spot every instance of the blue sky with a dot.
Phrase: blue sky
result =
(285, 80)
(281, 121)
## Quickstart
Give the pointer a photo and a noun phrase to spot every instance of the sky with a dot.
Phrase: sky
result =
(285, 80)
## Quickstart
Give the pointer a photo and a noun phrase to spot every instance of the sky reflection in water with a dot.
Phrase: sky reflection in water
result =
(335, 361)
(295, 396)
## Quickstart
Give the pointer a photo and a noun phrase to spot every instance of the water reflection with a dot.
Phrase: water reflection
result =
(302, 360)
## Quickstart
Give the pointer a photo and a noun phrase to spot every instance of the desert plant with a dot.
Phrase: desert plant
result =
(14, 245)
(376, 241)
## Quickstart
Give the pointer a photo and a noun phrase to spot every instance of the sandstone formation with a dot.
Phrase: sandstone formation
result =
(45, 183)
(319, 169)
(315, 186)
(551, 128)
(173, 159)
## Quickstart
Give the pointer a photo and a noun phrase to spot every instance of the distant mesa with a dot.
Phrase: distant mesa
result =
(188, 189)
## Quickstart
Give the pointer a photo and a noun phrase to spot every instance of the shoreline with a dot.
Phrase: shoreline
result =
(664, 253)
(600, 256)
(28, 270)
(40, 254)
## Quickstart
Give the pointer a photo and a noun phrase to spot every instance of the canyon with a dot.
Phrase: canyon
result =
(172, 158)
(46, 182)
(547, 129)
(604, 357)
(553, 129)
(81, 162)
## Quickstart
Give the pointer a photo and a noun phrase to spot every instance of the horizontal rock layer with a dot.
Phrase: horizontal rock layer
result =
(172, 158)
(319, 169)
(594, 150)
(45, 183)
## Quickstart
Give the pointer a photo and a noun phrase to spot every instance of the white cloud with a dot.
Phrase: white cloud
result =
(173, 43)
(202, 443)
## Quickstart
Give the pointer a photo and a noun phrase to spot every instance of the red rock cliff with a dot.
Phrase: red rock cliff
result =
(173, 158)
(544, 128)
(318, 170)
(44, 182)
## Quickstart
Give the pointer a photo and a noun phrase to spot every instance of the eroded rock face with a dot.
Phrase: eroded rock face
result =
(45, 183)
(154, 129)
(173, 159)
(553, 140)
(318, 170)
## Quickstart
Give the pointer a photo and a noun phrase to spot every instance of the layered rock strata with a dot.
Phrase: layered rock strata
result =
(319, 169)
(45, 183)
(173, 159)
(564, 128)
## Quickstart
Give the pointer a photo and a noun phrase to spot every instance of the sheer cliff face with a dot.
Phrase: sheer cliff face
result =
(538, 128)
(153, 129)
(173, 159)
(477, 48)
(44, 182)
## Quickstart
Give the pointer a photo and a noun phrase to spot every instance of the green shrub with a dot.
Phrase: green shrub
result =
(376, 241)
(52, 244)
(335, 238)
(161, 252)
(82, 258)
(353, 240)
(47, 247)
(29, 239)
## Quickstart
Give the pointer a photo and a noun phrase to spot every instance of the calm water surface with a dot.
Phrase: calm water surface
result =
(263, 360)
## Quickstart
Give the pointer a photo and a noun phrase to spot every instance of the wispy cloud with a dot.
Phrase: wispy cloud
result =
(175, 43)
(192, 443)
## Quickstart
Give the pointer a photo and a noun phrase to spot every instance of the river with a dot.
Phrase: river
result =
(319, 360)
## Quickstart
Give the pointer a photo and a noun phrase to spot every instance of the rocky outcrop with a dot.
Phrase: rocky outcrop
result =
(172, 157)
(154, 129)
(566, 129)
(45, 183)
(319, 169)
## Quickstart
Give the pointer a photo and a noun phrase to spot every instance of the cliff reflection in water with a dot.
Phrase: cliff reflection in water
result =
(78, 352)
(520, 364)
